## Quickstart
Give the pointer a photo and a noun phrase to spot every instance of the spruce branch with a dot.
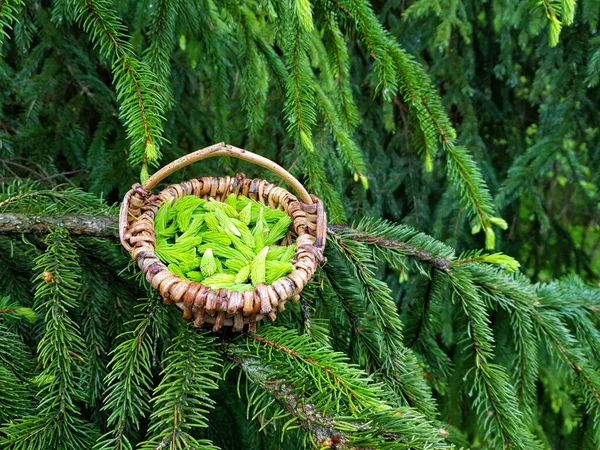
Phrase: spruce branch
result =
(255, 30)
(273, 364)
(95, 300)
(491, 382)
(578, 304)
(16, 363)
(398, 430)
(593, 64)
(526, 169)
(11, 310)
(17, 398)
(339, 61)
(494, 393)
(317, 182)
(321, 428)
(378, 329)
(463, 171)
(346, 384)
(566, 348)
(564, 342)
(129, 380)
(422, 98)
(254, 87)
(300, 85)
(558, 14)
(161, 31)
(180, 401)
(425, 325)
(9, 10)
(375, 39)
(58, 418)
(402, 239)
(551, 319)
(29, 197)
(424, 309)
(215, 34)
(347, 148)
(142, 103)
(517, 296)
(396, 69)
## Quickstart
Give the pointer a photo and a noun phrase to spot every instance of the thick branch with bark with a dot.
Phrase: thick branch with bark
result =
(107, 226)
(322, 428)
(100, 226)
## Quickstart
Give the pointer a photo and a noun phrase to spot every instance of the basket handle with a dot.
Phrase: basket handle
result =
(221, 149)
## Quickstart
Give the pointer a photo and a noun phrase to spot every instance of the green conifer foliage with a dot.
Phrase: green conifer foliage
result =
(454, 145)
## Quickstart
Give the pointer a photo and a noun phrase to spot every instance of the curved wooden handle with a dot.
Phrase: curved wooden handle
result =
(221, 149)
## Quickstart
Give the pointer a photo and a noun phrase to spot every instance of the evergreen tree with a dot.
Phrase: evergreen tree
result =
(426, 127)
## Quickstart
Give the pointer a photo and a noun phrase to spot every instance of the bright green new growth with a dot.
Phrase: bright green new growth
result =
(229, 245)
(208, 265)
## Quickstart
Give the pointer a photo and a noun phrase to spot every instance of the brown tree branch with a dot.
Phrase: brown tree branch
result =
(100, 226)
(322, 428)
(107, 226)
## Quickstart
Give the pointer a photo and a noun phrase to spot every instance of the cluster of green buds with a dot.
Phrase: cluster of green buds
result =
(232, 244)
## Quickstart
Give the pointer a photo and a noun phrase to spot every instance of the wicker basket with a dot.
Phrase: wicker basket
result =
(222, 307)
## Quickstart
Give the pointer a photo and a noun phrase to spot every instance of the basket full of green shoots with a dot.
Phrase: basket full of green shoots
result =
(227, 250)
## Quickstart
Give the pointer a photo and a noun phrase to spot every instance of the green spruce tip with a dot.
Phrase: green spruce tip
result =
(258, 267)
(208, 265)
(245, 214)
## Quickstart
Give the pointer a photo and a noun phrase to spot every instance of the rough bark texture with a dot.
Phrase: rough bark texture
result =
(102, 226)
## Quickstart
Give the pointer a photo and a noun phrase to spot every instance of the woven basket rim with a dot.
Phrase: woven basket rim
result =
(173, 289)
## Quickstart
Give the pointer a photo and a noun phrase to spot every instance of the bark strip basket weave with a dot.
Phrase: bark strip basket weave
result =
(222, 307)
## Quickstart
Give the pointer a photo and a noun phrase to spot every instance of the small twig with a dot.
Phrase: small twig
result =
(75, 355)
(305, 315)
(63, 174)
